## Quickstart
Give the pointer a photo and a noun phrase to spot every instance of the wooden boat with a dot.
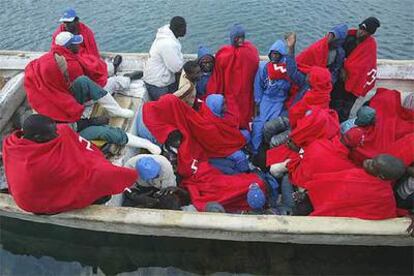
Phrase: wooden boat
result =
(393, 74)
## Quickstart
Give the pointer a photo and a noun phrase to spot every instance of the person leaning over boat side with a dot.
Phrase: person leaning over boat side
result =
(206, 61)
(187, 86)
(327, 52)
(57, 87)
(51, 169)
(271, 88)
(233, 75)
(165, 59)
(359, 72)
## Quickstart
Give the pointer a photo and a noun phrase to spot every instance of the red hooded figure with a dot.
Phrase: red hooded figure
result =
(233, 75)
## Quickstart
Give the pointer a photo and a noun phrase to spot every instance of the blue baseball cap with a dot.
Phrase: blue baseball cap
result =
(66, 38)
(147, 168)
(68, 16)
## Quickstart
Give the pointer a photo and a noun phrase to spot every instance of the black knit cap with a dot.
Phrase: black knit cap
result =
(370, 25)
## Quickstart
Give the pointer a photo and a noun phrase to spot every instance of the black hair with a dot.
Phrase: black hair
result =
(177, 22)
(390, 167)
(178, 26)
(38, 127)
(174, 139)
(189, 66)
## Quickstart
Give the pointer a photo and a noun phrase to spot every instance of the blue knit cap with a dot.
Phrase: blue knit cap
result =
(147, 168)
(236, 31)
(215, 103)
(203, 51)
(255, 197)
(340, 31)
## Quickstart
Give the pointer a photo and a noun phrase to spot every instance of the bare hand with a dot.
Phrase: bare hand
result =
(290, 39)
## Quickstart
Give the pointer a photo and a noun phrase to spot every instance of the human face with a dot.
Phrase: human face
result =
(72, 27)
(74, 48)
(206, 64)
(195, 75)
(275, 56)
(371, 167)
(362, 33)
(238, 41)
(181, 32)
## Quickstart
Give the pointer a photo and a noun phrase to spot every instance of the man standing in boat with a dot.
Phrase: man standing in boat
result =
(165, 59)
(233, 75)
(360, 67)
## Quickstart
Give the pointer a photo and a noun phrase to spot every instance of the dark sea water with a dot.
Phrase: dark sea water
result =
(130, 25)
(37, 249)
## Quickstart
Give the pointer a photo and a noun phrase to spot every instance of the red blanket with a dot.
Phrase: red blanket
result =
(204, 135)
(321, 156)
(351, 193)
(318, 94)
(392, 123)
(63, 174)
(233, 75)
(93, 67)
(209, 184)
(48, 92)
(88, 46)
(320, 124)
(315, 55)
(361, 67)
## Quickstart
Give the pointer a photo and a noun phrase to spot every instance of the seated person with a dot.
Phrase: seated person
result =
(154, 171)
(71, 23)
(187, 86)
(165, 59)
(361, 193)
(206, 61)
(51, 169)
(271, 88)
(57, 86)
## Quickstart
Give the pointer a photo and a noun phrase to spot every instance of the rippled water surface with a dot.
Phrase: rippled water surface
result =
(130, 26)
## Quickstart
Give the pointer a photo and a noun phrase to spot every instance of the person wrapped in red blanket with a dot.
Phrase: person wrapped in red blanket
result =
(327, 52)
(59, 82)
(51, 169)
(360, 193)
(233, 75)
(70, 23)
(203, 134)
(317, 124)
(209, 184)
(393, 122)
(360, 67)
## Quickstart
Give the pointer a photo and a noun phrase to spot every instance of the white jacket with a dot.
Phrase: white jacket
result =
(165, 59)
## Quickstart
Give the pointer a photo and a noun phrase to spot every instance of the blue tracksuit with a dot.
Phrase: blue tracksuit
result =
(270, 95)
(201, 85)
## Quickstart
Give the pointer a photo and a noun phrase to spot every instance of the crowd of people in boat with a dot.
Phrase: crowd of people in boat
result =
(226, 132)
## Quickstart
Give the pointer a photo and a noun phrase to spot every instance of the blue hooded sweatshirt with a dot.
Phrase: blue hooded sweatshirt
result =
(340, 32)
(202, 83)
(236, 31)
(269, 94)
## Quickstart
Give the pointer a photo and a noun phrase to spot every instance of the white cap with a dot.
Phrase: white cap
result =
(66, 38)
